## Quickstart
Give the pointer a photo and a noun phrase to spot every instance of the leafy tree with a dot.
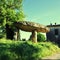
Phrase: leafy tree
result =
(10, 11)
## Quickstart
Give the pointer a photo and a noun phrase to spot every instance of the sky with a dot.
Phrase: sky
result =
(42, 12)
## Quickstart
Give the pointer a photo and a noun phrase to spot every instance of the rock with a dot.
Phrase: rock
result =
(31, 27)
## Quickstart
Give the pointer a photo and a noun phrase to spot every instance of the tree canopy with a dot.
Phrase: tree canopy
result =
(10, 11)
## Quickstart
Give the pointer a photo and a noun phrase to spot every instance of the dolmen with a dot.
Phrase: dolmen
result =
(32, 27)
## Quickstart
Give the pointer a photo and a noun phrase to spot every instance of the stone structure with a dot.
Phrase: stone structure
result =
(54, 34)
(31, 27)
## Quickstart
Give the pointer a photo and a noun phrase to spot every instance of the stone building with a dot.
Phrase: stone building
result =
(54, 34)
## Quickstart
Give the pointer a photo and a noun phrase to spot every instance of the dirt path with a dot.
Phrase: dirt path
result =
(55, 56)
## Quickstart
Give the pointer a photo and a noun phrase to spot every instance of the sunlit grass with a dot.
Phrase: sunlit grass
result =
(25, 50)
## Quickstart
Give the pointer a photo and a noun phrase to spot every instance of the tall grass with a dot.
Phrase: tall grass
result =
(21, 50)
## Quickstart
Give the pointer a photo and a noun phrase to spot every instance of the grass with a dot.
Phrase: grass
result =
(21, 50)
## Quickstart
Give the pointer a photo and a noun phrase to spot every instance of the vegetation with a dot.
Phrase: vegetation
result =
(10, 11)
(40, 37)
(25, 50)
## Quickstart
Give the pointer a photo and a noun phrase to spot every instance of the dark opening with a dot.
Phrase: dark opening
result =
(56, 31)
(9, 32)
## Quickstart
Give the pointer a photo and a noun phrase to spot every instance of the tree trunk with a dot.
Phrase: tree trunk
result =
(9, 32)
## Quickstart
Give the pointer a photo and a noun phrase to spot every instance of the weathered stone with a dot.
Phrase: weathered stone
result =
(31, 27)
(34, 36)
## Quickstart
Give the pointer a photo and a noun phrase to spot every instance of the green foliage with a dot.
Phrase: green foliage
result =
(2, 32)
(10, 11)
(7, 55)
(21, 50)
(40, 37)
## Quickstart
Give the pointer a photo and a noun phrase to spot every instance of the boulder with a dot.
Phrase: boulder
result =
(31, 26)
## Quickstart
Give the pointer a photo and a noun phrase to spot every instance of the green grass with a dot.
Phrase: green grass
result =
(21, 50)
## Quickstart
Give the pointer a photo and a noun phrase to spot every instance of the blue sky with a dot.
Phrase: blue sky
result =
(42, 11)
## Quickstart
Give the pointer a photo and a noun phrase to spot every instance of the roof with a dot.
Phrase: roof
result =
(53, 25)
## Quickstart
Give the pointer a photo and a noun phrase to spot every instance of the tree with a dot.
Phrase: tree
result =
(10, 11)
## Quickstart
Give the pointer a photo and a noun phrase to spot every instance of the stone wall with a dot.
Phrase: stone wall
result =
(51, 35)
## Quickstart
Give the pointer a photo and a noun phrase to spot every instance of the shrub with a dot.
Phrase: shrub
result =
(22, 50)
(7, 55)
(2, 32)
(40, 37)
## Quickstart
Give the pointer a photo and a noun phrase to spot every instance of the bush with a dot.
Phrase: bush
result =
(7, 55)
(2, 32)
(22, 50)
(40, 37)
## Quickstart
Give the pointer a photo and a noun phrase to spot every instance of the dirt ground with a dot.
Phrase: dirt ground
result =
(55, 56)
